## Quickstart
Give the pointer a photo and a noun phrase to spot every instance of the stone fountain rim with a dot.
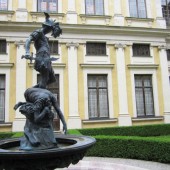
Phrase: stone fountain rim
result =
(79, 143)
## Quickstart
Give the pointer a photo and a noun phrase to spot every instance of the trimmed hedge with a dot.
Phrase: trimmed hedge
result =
(131, 147)
(5, 135)
(143, 131)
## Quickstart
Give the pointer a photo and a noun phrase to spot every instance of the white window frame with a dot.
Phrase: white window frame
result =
(99, 71)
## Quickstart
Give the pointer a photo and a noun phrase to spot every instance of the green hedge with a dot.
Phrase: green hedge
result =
(5, 135)
(131, 147)
(147, 130)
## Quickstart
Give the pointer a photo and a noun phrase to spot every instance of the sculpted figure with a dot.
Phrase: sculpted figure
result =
(42, 60)
(38, 129)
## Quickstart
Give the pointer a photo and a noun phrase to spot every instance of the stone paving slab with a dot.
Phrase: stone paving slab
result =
(100, 163)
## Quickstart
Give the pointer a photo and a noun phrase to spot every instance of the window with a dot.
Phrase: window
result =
(2, 98)
(2, 46)
(98, 96)
(141, 50)
(166, 10)
(53, 47)
(4, 5)
(137, 8)
(168, 54)
(47, 5)
(54, 88)
(95, 48)
(94, 7)
(144, 95)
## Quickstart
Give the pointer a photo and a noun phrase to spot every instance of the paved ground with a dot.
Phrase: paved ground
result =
(98, 163)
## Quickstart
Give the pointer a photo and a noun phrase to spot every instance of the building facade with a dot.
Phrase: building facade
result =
(112, 68)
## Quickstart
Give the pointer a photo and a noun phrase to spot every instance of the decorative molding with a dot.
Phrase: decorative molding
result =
(143, 66)
(9, 14)
(19, 43)
(162, 47)
(35, 15)
(101, 66)
(107, 18)
(120, 45)
(9, 65)
(72, 44)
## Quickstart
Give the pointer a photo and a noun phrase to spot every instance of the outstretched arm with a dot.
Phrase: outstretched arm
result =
(60, 114)
(27, 45)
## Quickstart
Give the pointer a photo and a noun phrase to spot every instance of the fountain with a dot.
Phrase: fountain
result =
(41, 148)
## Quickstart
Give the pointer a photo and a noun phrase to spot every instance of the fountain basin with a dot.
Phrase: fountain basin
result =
(71, 149)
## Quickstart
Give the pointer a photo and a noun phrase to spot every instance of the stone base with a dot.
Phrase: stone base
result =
(124, 120)
(166, 117)
(18, 124)
(74, 122)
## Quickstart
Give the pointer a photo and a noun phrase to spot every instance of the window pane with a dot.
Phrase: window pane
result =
(99, 6)
(2, 81)
(139, 102)
(149, 102)
(92, 103)
(103, 103)
(2, 46)
(102, 81)
(96, 48)
(141, 50)
(2, 97)
(3, 4)
(89, 6)
(47, 5)
(53, 47)
(147, 82)
(141, 9)
(133, 8)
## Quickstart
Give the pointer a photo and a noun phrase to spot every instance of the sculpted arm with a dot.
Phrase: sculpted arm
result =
(27, 45)
(60, 114)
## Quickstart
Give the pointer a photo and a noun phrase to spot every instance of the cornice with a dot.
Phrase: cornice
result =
(87, 29)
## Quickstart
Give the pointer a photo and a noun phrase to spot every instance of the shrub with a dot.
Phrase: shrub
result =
(147, 130)
(131, 147)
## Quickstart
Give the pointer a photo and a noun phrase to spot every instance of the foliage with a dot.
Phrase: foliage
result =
(147, 130)
(74, 132)
(143, 148)
(5, 135)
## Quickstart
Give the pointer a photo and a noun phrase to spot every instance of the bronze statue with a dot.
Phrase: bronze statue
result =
(38, 130)
(42, 60)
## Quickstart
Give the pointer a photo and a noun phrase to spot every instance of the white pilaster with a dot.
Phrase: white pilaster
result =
(74, 118)
(161, 23)
(21, 12)
(118, 17)
(165, 82)
(124, 117)
(19, 121)
(71, 13)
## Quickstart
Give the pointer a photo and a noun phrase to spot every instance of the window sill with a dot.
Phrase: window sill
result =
(58, 65)
(147, 118)
(142, 56)
(96, 55)
(6, 12)
(140, 19)
(6, 65)
(95, 16)
(111, 66)
(99, 121)
(143, 66)
(8, 124)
